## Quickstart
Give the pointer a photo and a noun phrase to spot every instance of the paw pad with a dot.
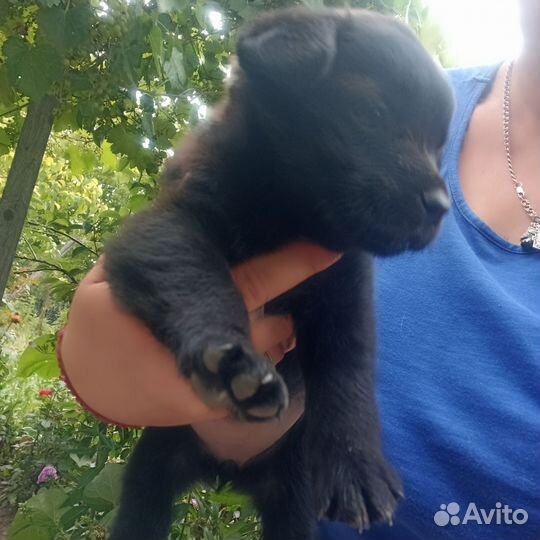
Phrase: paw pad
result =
(232, 375)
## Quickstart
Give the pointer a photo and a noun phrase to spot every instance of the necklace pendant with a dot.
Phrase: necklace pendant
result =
(531, 239)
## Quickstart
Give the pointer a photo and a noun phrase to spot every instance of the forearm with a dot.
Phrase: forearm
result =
(120, 371)
(109, 357)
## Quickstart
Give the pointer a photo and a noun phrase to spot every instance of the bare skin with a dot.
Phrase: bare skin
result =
(122, 372)
(484, 174)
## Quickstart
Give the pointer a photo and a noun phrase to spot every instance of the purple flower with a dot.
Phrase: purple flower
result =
(48, 472)
(194, 503)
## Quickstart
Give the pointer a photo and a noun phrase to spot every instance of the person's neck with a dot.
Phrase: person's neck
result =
(526, 85)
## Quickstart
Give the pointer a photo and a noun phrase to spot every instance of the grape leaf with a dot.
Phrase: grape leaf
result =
(174, 70)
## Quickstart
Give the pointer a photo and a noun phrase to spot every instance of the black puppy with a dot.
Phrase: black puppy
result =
(331, 132)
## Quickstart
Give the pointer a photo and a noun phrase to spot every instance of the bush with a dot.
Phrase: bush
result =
(63, 468)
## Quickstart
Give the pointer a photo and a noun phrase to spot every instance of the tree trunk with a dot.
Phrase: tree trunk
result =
(21, 180)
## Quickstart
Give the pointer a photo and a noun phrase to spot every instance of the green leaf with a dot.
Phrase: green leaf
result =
(5, 142)
(4, 11)
(80, 161)
(78, 26)
(76, 163)
(62, 290)
(172, 5)
(200, 13)
(108, 519)
(155, 38)
(62, 222)
(67, 119)
(52, 26)
(147, 121)
(79, 81)
(228, 497)
(125, 142)
(174, 70)
(65, 30)
(15, 48)
(49, 501)
(107, 157)
(39, 518)
(72, 515)
(40, 358)
(27, 526)
(83, 461)
(7, 95)
(49, 3)
(103, 492)
(32, 69)
(137, 202)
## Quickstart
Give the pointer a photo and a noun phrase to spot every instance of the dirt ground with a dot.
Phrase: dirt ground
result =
(5, 520)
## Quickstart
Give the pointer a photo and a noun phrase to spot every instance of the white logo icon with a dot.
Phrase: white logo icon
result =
(500, 515)
(447, 514)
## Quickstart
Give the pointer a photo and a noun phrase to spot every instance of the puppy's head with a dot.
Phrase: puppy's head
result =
(358, 113)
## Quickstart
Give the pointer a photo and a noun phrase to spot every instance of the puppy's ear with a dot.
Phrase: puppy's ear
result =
(299, 48)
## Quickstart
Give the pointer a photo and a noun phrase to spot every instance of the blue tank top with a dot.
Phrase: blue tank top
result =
(459, 372)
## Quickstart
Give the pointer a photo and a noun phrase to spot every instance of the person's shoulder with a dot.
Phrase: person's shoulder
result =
(471, 76)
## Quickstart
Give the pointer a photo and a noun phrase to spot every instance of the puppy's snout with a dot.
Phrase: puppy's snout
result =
(436, 202)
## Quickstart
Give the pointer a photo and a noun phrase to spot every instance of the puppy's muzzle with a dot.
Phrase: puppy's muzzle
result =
(436, 203)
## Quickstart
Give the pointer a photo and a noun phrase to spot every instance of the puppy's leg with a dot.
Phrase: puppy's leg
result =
(280, 486)
(165, 462)
(166, 271)
(352, 480)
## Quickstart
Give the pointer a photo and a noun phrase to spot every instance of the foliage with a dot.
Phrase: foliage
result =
(37, 430)
(128, 71)
(131, 76)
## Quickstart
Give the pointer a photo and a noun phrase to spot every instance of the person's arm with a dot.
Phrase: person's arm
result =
(121, 372)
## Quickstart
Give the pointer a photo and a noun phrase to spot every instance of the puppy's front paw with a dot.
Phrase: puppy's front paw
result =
(357, 489)
(229, 375)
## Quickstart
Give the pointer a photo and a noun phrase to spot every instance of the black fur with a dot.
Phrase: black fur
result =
(331, 133)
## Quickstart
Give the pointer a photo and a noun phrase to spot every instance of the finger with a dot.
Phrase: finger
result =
(268, 276)
(270, 332)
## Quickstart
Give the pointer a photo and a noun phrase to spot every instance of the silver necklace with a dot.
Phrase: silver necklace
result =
(531, 239)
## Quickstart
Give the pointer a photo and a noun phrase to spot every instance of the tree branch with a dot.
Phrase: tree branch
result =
(34, 270)
(20, 107)
(48, 227)
(49, 265)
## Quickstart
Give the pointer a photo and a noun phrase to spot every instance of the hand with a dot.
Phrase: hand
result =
(120, 371)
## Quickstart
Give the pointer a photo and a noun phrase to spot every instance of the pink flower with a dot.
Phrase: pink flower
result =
(48, 472)
(46, 392)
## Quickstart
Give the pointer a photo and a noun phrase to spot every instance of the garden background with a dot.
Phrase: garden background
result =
(94, 95)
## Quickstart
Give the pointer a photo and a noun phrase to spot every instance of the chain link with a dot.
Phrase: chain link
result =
(518, 186)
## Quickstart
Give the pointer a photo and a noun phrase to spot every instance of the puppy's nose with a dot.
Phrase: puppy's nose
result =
(436, 202)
